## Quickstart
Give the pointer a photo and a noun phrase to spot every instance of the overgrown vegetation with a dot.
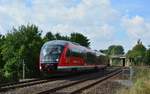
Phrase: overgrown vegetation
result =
(114, 50)
(24, 44)
(141, 82)
(139, 54)
(20, 44)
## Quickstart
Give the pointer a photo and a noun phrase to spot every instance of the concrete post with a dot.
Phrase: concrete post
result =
(23, 70)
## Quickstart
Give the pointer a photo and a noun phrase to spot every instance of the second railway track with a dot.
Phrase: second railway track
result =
(15, 85)
(65, 85)
(8, 86)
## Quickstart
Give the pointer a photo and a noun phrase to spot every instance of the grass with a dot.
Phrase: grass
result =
(141, 82)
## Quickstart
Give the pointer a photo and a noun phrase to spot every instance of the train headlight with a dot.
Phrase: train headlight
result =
(40, 67)
(57, 60)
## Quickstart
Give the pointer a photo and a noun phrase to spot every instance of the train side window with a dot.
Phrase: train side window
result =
(75, 52)
(91, 58)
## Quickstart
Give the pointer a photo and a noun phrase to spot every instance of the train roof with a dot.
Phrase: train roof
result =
(64, 42)
(58, 42)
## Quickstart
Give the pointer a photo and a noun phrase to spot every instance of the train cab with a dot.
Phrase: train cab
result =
(50, 55)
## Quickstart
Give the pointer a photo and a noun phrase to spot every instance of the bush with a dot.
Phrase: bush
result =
(11, 70)
(141, 83)
(1, 76)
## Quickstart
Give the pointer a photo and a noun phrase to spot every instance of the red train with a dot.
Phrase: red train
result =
(60, 55)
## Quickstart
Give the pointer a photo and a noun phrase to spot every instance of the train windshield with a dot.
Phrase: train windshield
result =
(50, 53)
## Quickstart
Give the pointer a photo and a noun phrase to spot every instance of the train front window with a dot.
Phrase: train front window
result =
(50, 53)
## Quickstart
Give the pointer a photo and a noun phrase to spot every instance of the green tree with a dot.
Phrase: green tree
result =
(137, 53)
(147, 57)
(115, 50)
(1, 61)
(49, 36)
(79, 38)
(74, 37)
(1, 43)
(112, 51)
(105, 51)
(20, 44)
(60, 37)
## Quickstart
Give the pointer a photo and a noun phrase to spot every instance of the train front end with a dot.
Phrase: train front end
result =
(50, 56)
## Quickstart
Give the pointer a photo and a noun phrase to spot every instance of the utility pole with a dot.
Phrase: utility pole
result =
(23, 69)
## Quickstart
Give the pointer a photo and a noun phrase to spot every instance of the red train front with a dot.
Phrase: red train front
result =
(59, 55)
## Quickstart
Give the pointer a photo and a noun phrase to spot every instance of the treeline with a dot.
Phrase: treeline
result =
(139, 54)
(114, 50)
(24, 44)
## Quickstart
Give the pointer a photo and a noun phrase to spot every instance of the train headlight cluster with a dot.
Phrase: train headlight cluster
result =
(40, 67)
(57, 60)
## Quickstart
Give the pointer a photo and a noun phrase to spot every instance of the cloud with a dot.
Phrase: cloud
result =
(136, 27)
(97, 19)
(82, 16)
(63, 29)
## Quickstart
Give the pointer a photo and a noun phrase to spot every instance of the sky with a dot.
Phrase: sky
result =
(104, 22)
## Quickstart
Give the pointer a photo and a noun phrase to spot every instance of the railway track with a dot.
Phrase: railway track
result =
(8, 86)
(14, 85)
(42, 86)
(80, 85)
